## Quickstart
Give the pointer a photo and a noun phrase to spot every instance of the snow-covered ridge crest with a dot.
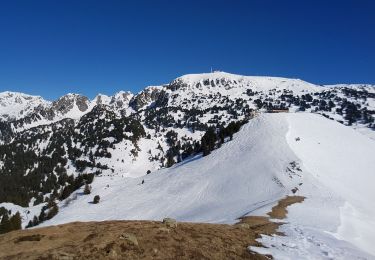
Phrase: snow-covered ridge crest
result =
(256, 82)
(16, 104)
(199, 91)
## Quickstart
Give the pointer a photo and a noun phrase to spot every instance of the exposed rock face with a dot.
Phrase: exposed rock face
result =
(147, 97)
(121, 99)
(101, 99)
(67, 102)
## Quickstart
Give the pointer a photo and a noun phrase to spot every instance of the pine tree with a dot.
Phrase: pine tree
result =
(16, 221)
(30, 224)
(53, 210)
(5, 224)
(96, 199)
(42, 215)
(170, 160)
(35, 221)
(206, 151)
(8, 224)
(87, 189)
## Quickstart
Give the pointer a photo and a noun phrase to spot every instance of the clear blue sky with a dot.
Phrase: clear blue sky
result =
(53, 47)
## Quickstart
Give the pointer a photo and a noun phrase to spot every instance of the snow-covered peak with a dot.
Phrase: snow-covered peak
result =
(258, 83)
(188, 91)
(120, 100)
(101, 99)
(146, 97)
(15, 104)
(67, 101)
(122, 95)
(71, 106)
(194, 78)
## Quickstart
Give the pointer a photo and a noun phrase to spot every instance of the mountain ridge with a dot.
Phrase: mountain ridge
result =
(121, 96)
(53, 150)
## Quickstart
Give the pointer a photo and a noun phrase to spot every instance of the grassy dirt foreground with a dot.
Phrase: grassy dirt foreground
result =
(143, 239)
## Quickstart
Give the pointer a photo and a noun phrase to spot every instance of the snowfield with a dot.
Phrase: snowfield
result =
(332, 165)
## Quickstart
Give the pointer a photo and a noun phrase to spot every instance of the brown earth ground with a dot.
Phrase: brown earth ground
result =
(144, 239)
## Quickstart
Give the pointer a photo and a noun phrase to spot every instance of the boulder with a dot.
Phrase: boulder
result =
(244, 225)
(164, 230)
(131, 238)
(170, 222)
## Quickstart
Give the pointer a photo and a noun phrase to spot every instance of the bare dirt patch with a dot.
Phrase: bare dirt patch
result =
(280, 210)
(116, 240)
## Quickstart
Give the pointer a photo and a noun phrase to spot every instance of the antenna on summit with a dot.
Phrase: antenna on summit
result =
(211, 69)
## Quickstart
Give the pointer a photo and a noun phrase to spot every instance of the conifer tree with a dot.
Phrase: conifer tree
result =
(16, 221)
(87, 189)
(4, 224)
(96, 199)
(53, 210)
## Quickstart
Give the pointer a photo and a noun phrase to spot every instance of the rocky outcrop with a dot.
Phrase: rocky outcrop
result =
(121, 99)
(148, 97)
(66, 103)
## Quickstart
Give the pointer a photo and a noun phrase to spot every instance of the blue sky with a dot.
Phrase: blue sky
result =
(52, 47)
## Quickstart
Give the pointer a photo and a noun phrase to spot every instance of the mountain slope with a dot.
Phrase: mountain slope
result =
(205, 189)
(271, 156)
(16, 105)
(56, 147)
(342, 160)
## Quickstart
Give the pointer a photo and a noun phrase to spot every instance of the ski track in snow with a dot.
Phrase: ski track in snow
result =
(247, 176)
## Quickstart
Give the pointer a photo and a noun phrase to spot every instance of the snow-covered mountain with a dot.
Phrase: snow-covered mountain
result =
(48, 150)
(15, 105)
(198, 91)
(328, 163)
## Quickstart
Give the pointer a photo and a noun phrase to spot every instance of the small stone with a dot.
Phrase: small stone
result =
(294, 190)
(63, 256)
(244, 225)
(164, 229)
(130, 237)
(113, 254)
(170, 222)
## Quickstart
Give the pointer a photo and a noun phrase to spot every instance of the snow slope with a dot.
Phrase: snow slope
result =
(337, 218)
(258, 83)
(249, 175)
(344, 161)
(205, 189)
(15, 104)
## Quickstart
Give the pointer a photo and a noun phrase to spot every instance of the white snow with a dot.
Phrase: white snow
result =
(262, 83)
(27, 213)
(15, 104)
(200, 189)
(336, 221)
(248, 175)
(343, 161)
